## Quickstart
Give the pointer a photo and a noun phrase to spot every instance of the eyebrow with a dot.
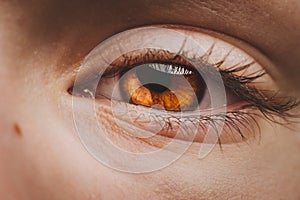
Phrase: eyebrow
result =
(270, 26)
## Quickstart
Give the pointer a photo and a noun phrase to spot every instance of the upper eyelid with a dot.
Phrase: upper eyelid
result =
(240, 43)
(182, 29)
(254, 51)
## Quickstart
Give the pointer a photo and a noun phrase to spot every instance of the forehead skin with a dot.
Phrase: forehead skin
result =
(273, 26)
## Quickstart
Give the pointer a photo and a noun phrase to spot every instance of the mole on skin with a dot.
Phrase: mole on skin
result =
(18, 130)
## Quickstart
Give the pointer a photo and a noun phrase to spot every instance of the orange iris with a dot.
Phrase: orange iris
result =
(165, 89)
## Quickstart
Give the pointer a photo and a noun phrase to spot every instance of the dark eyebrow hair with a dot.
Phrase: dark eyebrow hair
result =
(272, 26)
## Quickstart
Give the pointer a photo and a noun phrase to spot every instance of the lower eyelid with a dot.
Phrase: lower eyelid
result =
(138, 121)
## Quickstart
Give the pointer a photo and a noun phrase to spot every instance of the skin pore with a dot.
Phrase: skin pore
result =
(42, 43)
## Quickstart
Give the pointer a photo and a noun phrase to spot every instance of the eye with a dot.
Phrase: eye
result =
(165, 84)
(172, 75)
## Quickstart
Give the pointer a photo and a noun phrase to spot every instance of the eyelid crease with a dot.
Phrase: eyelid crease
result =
(252, 49)
(184, 29)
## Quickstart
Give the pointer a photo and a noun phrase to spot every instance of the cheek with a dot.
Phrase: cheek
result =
(42, 156)
(49, 156)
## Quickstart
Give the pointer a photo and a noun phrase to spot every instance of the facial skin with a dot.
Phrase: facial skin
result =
(41, 156)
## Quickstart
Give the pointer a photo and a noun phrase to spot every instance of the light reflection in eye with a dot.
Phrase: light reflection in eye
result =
(149, 67)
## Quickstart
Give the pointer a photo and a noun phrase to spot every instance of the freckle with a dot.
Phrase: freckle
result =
(18, 130)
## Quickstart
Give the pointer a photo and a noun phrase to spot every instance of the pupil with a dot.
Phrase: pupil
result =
(154, 80)
(157, 88)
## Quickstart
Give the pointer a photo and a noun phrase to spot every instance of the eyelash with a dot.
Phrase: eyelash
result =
(272, 106)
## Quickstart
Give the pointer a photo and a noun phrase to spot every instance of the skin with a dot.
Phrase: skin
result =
(41, 44)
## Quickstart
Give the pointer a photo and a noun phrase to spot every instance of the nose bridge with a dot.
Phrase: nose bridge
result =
(11, 75)
(7, 99)
(8, 58)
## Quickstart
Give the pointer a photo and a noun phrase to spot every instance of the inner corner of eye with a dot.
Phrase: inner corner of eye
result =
(70, 90)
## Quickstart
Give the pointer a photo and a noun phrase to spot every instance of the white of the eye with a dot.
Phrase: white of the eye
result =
(170, 69)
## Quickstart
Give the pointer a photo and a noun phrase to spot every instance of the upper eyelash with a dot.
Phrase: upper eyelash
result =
(238, 84)
(274, 105)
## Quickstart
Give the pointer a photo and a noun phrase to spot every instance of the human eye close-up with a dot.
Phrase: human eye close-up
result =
(150, 100)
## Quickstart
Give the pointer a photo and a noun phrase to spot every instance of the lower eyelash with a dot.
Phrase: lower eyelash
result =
(234, 121)
(237, 121)
(269, 105)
